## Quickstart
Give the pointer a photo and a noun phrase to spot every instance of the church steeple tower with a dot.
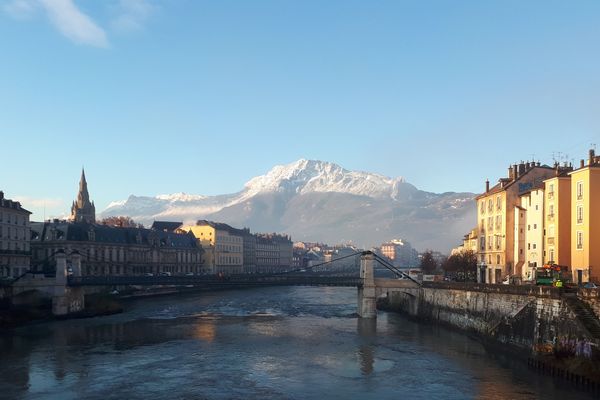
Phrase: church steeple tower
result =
(83, 210)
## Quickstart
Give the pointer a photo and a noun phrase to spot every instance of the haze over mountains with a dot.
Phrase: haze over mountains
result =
(321, 201)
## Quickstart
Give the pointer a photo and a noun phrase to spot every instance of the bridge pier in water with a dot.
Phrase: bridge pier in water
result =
(367, 298)
(65, 299)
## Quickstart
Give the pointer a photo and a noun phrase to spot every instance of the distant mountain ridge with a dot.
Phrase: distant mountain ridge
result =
(318, 200)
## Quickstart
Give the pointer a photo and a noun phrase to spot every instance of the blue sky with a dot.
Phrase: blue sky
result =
(199, 96)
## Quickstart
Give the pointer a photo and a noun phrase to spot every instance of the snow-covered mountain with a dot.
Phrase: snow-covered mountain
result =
(317, 200)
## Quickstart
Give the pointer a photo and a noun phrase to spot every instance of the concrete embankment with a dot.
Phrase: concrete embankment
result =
(551, 330)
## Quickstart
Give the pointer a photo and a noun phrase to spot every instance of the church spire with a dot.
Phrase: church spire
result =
(83, 209)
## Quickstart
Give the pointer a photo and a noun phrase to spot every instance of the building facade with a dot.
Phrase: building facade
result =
(400, 253)
(557, 217)
(15, 234)
(529, 233)
(223, 244)
(585, 220)
(108, 250)
(496, 220)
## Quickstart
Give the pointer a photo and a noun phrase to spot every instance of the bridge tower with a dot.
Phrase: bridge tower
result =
(366, 294)
(65, 299)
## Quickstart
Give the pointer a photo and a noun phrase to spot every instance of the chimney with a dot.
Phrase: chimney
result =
(515, 171)
(521, 168)
(581, 163)
(1, 195)
(592, 154)
(510, 173)
(487, 185)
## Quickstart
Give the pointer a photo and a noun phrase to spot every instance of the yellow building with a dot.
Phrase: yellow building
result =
(585, 220)
(469, 243)
(557, 217)
(223, 246)
(496, 220)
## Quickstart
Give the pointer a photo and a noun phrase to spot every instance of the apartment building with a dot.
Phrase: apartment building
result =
(496, 220)
(529, 233)
(15, 234)
(585, 220)
(223, 246)
(557, 217)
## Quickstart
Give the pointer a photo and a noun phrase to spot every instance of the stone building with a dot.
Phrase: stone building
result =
(274, 252)
(15, 253)
(83, 210)
(109, 250)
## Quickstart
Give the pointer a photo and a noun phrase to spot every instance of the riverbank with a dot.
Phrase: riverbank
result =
(97, 304)
(539, 326)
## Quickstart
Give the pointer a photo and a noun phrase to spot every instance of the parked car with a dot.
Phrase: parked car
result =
(164, 273)
(590, 285)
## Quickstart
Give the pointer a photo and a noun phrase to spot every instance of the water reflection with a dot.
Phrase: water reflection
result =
(367, 331)
(293, 343)
(205, 330)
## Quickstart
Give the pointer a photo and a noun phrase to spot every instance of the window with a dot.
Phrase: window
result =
(551, 210)
(482, 242)
(534, 226)
(498, 259)
(579, 240)
(580, 214)
(490, 205)
(499, 203)
(551, 255)
(579, 190)
(551, 191)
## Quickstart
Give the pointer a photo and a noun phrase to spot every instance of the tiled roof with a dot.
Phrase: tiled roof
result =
(80, 232)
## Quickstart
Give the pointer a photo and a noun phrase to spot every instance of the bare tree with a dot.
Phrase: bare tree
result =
(121, 221)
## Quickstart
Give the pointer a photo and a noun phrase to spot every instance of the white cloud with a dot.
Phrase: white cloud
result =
(65, 16)
(20, 9)
(130, 15)
(73, 23)
(39, 203)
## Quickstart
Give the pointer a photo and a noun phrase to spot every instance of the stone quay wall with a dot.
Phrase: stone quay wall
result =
(527, 317)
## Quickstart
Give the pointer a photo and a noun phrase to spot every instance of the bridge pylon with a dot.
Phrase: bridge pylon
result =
(367, 299)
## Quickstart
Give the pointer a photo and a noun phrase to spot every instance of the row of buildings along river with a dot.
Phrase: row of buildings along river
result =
(165, 247)
(539, 215)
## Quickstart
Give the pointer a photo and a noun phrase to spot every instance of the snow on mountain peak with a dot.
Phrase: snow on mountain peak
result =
(180, 197)
(306, 176)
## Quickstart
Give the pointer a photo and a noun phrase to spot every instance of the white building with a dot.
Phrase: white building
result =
(529, 233)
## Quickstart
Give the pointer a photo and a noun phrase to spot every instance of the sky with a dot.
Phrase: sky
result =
(156, 97)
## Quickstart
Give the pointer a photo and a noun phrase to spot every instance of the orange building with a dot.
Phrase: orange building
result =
(557, 217)
(585, 220)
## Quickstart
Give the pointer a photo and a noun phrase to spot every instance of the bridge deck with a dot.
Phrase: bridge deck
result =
(234, 280)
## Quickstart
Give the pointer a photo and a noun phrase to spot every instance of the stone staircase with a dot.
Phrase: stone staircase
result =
(585, 315)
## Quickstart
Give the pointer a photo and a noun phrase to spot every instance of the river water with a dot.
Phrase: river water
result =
(273, 343)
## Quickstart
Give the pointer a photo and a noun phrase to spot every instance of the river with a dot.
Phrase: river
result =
(269, 343)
